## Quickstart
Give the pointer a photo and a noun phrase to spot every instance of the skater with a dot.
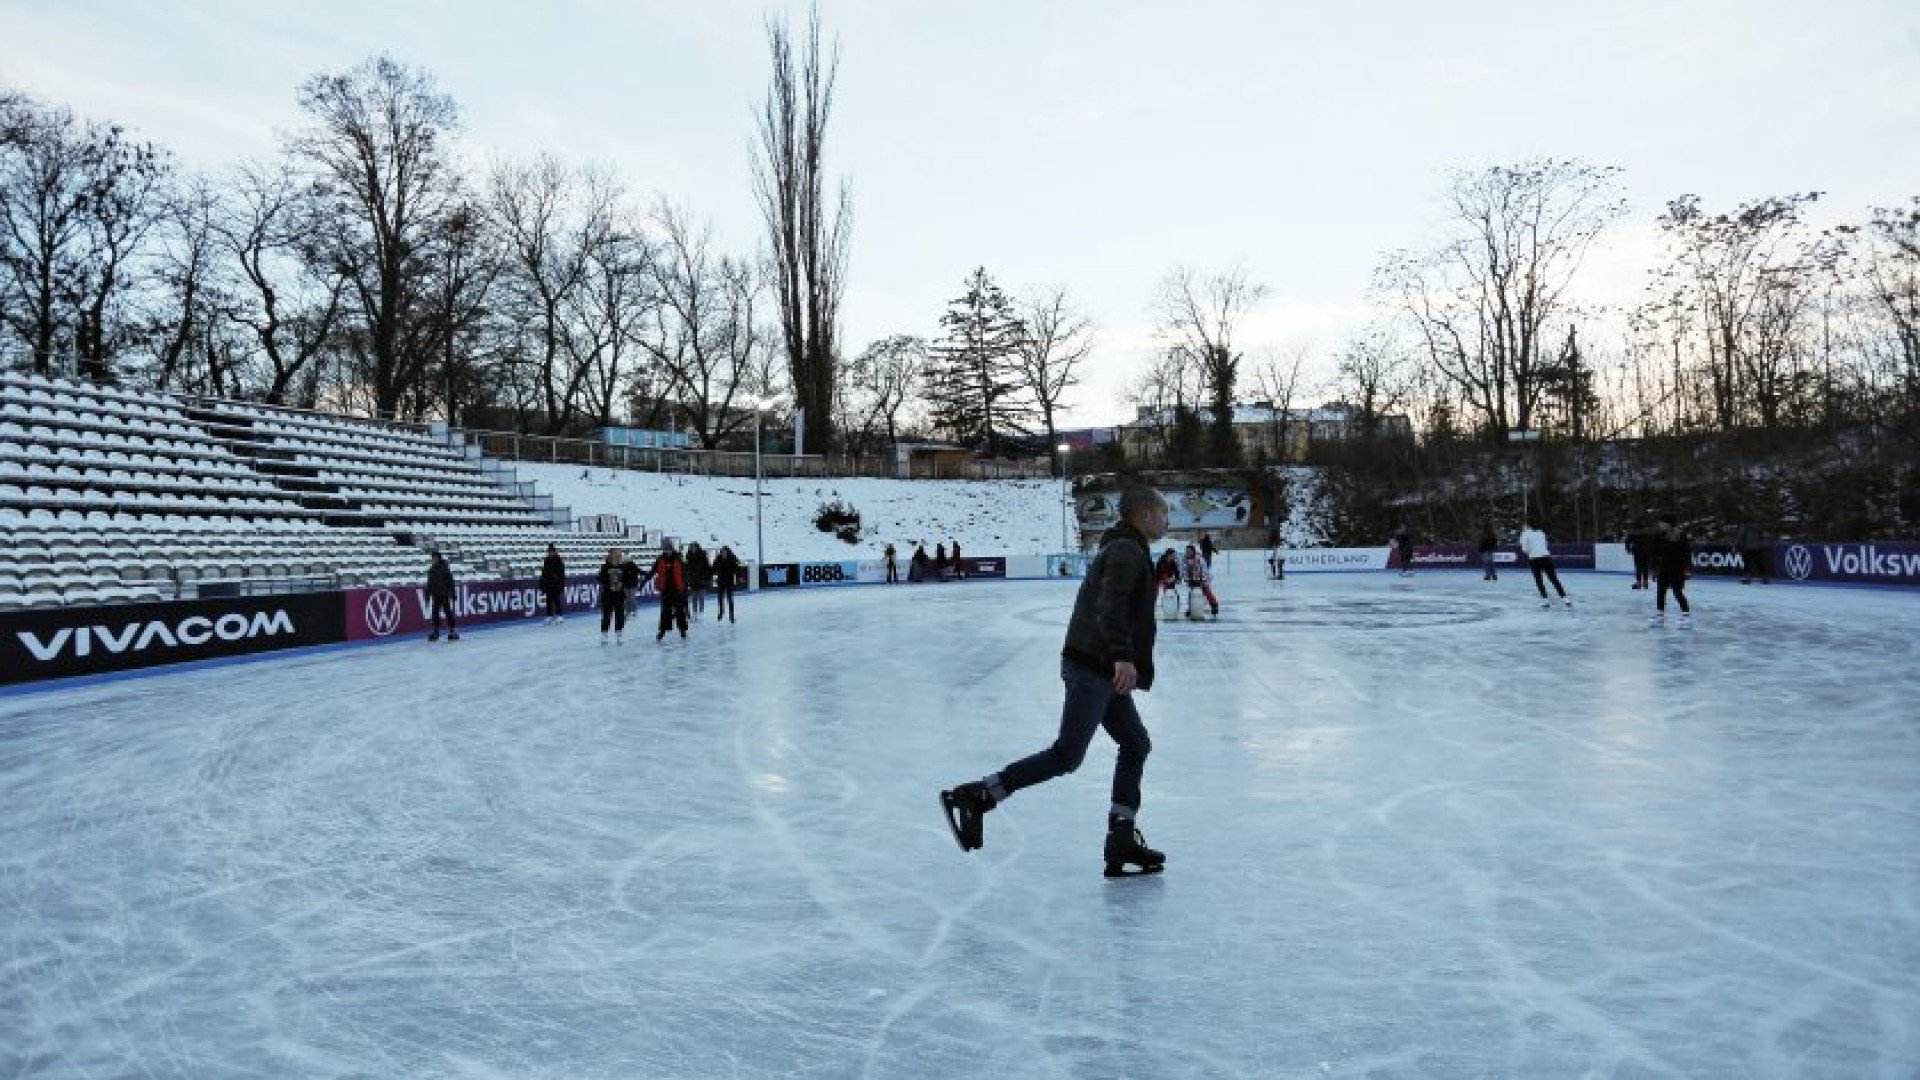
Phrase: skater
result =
(619, 579)
(1107, 656)
(939, 562)
(1641, 543)
(1276, 563)
(726, 572)
(1166, 578)
(959, 568)
(1752, 542)
(1489, 546)
(1672, 565)
(1200, 577)
(1207, 549)
(917, 566)
(553, 584)
(699, 579)
(440, 589)
(1533, 544)
(669, 576)
(893, 566)
(1403, 548)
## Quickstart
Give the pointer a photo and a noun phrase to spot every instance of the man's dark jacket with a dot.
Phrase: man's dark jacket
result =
(1113, 614)
(553, 572)
(440, 580)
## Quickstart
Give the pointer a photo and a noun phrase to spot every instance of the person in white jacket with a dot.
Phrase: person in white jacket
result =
(1200, 577)
(1533, 543)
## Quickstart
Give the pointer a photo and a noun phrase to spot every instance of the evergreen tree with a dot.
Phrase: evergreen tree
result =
(974, 383)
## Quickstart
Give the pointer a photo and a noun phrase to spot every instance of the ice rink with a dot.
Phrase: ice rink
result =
(1414, 829)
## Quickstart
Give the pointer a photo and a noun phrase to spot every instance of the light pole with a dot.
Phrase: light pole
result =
(1064, 450)
(759, 533)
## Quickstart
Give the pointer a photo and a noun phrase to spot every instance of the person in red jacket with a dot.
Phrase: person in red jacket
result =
(669, 574)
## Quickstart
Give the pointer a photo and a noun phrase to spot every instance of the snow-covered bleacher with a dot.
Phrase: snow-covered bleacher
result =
(111, 495)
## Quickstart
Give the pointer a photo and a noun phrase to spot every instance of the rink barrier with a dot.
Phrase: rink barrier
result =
(57, 643)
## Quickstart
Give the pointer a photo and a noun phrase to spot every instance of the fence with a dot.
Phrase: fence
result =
(560, 451)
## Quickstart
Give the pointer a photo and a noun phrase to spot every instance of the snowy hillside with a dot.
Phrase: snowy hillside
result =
(1007, 517)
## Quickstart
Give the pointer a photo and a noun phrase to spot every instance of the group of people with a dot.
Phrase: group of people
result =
(941, 566)
(682, 582)
(1195, 569)
(1663, 554)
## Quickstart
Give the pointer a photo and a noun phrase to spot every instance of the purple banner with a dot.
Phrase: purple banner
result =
(403, 610)
(1468, 557)
(1880, 562)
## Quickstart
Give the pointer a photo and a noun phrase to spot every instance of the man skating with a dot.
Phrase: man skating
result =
(1107, 656)
(440, 590)
(1533, 543)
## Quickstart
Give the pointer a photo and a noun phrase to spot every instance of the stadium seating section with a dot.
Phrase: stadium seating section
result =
(111, 495)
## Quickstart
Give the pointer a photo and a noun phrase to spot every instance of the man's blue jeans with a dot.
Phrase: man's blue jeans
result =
(1091, 704)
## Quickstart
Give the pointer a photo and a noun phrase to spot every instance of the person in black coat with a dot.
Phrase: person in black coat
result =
(939, 562)
(619, 580)
(1108, 655)
(1672, 565)
(959, 568)
(917, 566)
(893, 566)
(440, 589)
(1207, 549)
(699, 578)
(669, 576)
(1489, 546)
(726, 574)
(1641, 543)
(553, 584)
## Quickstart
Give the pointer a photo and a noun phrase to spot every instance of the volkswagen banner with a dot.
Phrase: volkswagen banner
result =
(405, 610)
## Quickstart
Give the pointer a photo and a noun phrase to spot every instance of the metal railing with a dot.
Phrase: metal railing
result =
(549, 449)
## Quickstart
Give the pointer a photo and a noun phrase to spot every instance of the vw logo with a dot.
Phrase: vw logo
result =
(383, 613)
(1799, 562)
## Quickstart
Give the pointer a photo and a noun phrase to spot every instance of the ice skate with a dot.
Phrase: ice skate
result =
(1657, 621)
(1568, 603)
(435, 636)
(619, 638)
(1127, 848)
(1545, 604)
(603, 638)
(964, 807)
(1686, 620)
(453, 635)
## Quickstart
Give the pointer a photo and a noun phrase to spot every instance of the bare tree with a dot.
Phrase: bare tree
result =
(611, 310)
(76, 201)
(551, 221)
(704, 331)
(807, 235)
(1888, 267)
(1277, 381)
(876, 388)
(1739, 276)
(287, 293)
(1058, 338)
(383, 173)
(1200, 317)
(1485, 302)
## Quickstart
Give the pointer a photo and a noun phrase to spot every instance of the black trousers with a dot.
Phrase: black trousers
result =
(1642, 567)
(443, 606)
(673, 612)
(555, 605)
(613, 610)
(724, 610)
(1545, 566)
(1676, 585)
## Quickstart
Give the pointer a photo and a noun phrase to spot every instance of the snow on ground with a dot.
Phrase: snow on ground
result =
(1005, 517)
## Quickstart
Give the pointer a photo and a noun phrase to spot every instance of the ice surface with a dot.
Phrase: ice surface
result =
(1414, 830)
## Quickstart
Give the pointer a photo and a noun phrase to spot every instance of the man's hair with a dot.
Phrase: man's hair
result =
(1137, 497)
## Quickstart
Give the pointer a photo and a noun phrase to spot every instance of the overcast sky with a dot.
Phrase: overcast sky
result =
(1092, 144)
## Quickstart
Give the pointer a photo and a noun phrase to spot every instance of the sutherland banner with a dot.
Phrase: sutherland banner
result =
(1315, 560)
(377, 613)
(52, 643)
